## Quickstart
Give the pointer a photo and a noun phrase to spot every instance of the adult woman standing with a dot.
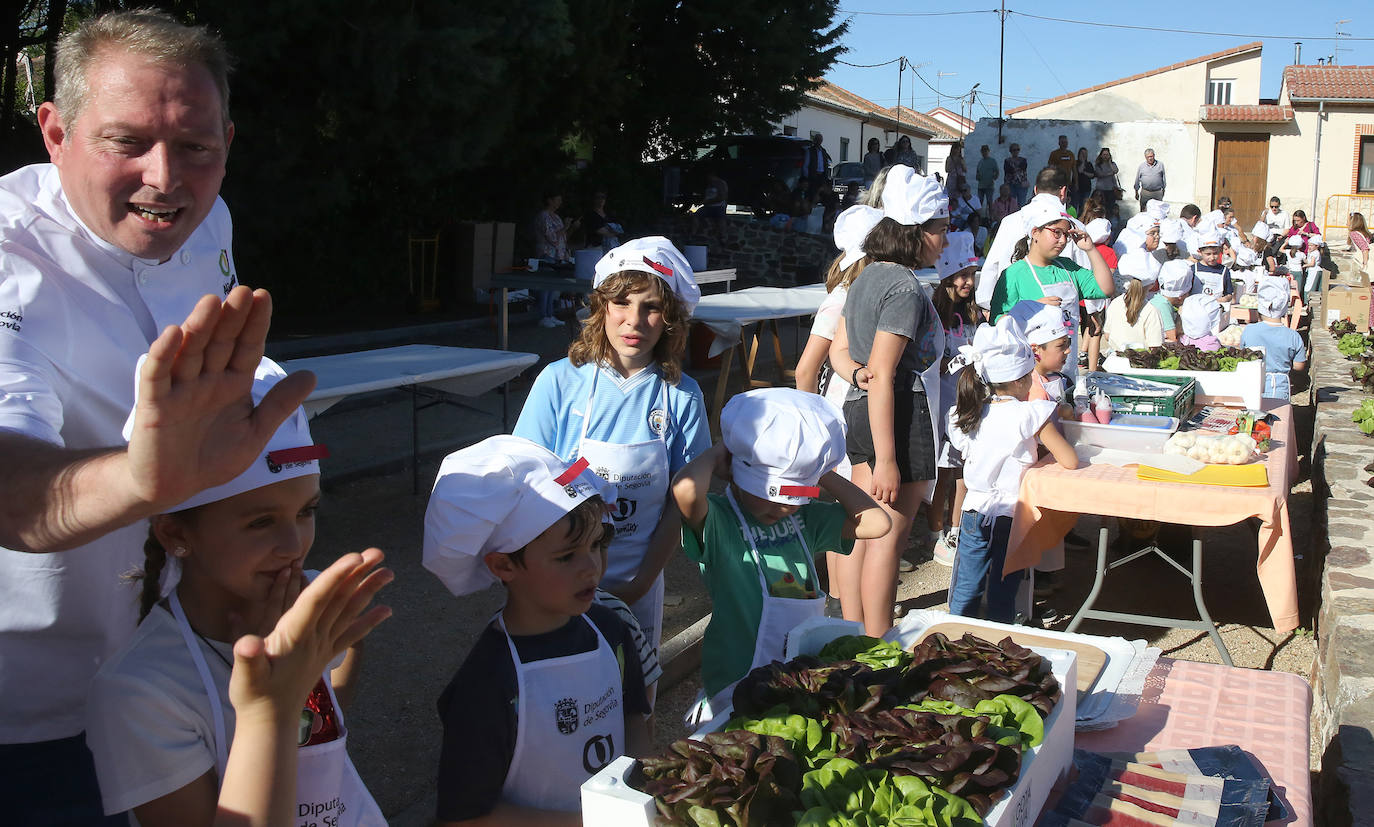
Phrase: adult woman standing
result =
(550, 244)
(891, 327)
(873, 161)
(1014, 173)
(1359, 238)
(1104, 177)
(602, 229)
(621, 402)
(1086, 173)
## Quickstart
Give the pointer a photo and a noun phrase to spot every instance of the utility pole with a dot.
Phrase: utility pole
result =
(1001, 64)
(901, 66)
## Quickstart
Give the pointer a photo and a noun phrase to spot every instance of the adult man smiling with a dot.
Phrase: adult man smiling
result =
(106, 252)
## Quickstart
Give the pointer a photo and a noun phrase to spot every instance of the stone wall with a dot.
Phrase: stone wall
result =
(761, 254)
(1343, 676)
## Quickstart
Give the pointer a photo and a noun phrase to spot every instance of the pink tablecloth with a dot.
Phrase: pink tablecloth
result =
(1188, 705)
(1052, 497)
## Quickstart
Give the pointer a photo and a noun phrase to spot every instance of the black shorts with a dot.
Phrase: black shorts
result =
(914, 441)
(1092, 322)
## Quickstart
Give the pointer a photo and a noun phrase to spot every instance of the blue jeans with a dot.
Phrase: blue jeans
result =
(1020, 194)
(52, 783)
(978, 567)
(544, 300)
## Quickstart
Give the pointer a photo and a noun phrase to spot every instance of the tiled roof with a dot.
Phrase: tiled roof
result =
(939, 131)
(1342, 82)
(968, 124)
(1251, 113)
(1248, 47)
(835, 96)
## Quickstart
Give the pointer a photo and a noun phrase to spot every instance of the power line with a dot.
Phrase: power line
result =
(1184, 31)
(916, 14)
(869, 65)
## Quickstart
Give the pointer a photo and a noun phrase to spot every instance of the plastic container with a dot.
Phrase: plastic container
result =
(1245, 383)
(1127, 432)
(610, 800)
(1179, 405)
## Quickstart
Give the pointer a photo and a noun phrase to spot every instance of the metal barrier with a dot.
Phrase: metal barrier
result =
(1336, 217)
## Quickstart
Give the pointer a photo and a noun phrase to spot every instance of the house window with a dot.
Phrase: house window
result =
(789, 131)
(1219, 92)
(844, 149)
(1365, 182)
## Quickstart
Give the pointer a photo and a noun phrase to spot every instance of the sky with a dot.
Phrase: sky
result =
(954, 45)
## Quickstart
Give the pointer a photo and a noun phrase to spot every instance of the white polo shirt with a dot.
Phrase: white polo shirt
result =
(75, 315)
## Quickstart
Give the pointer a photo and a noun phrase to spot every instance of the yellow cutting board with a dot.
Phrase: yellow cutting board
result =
(1091, 660)
(1253, 475)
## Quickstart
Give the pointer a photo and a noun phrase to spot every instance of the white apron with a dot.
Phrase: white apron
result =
(931, 383)
(1067, 292)
(570, 723)
(955, 338)
(1212, 284)
(640, 473)
(328, 788)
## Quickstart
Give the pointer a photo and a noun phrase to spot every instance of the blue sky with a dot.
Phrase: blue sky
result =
(1045, 58)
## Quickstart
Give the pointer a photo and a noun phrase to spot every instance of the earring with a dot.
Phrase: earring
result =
(179, 551)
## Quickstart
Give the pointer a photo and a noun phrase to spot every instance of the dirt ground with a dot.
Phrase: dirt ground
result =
(395, 732)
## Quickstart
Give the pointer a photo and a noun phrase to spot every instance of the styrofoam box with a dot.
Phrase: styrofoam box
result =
(1246, 382)
(1129, 432)
(608, 800)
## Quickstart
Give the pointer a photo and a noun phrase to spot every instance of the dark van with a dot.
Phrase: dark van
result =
(759, 170)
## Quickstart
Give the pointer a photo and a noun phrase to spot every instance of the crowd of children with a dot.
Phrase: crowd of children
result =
(906, 394)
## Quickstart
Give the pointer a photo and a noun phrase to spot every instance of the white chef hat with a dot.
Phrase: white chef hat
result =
(851, 228)
(494, 498)
(1038, 214)
(781, 441)
(957, 255)
(1212, 218)
(1175, 277)
(1040, 323)
(1210, 238)
(656, 256)
(1136, 264)
(1245, 257)
(1157, 209)
(999, 353)
(1201, 315)
(1295, 241)
(1316, 240)
(1141, 222)
(1273, 298)
(1171, 230)
(910, 198)
(1264, 231)
(1099, 230)
(290, 453)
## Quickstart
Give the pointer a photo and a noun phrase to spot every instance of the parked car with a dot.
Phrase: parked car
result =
(845, 175)
(759, 169)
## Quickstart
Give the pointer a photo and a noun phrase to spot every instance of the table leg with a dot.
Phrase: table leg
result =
(749, 357)
(783, 372)
(505, 319)
(414, 440)
(1203, 624)
(722, 384)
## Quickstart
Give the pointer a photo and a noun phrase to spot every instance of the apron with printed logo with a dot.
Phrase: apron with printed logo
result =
(780, 614)
(1067, 292)
(328, 788)
(640, 473)
(1212, 283)
(931, 385)
(570, 723)
(955, 338)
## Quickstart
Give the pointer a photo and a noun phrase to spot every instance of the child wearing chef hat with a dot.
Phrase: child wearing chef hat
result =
(1132, 320)
(1210, 276)
(997, 429)
(1312, 265)
(551, 691)
(756, 543)
(621, 400)
(1099, 230)
(960, 316)
(1202, 319)
(1284, 351)
(221, 569)
(816, 372)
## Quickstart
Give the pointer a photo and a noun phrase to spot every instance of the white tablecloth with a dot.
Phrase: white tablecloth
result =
(727, 313)
(462, 370)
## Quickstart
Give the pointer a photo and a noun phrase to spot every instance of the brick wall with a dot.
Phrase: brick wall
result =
(760, 253)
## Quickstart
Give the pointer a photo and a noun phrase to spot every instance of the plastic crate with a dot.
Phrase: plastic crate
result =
(1179, 405)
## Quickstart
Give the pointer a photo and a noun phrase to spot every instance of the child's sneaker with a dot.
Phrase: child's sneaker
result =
(947, 547)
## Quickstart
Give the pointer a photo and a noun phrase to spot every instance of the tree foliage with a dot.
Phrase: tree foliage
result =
(360, 121)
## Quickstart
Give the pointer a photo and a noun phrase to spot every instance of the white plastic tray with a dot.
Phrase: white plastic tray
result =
(1128, 432)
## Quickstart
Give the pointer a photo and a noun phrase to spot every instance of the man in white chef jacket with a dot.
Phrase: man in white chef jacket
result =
(120, 246)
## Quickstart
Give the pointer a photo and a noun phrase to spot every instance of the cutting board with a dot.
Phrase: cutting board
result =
(1253, 475)
(1091, 659)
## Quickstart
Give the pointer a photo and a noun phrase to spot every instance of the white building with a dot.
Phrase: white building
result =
(846, 122)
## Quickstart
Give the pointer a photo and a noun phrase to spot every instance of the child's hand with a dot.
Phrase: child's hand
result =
(273, 675)
(1052, 301)
(721, 467)
(263, 617)
(863, 376)
(886, 481)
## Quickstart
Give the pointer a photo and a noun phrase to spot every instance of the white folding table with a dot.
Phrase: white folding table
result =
(423, 370)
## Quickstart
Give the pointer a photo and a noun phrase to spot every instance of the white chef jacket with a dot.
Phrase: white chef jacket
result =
(75, 314)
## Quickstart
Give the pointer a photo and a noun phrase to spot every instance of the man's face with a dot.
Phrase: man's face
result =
(1063, 142)
(143, 162)
(1150, 158)
(1274, 207)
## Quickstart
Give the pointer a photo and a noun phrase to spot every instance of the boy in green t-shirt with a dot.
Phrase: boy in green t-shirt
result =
(756, 543)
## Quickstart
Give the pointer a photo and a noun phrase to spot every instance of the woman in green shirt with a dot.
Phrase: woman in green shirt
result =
(1039, 273)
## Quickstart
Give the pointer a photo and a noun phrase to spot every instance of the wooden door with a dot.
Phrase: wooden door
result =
(1240, 168)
